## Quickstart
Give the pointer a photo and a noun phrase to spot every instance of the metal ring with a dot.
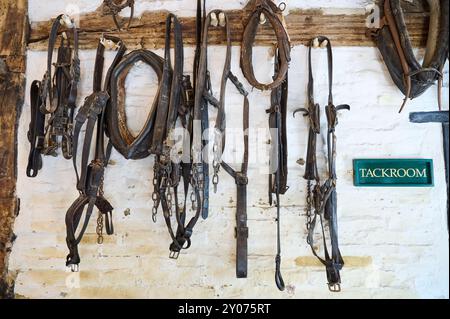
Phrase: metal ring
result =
(282, 5)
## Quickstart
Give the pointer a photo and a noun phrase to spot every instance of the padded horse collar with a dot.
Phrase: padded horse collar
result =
(412, 78)
(115, 6)
(275, 17)
(205, 91)
(120, 136)
(322, 200)
(90, 180)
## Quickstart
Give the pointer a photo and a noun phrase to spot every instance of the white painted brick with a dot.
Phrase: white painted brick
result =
(403, 232)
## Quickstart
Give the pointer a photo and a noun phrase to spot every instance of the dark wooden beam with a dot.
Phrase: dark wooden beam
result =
(13, 39)
(149, 29)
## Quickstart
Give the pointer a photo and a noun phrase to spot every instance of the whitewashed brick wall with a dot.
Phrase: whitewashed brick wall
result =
(395, 241)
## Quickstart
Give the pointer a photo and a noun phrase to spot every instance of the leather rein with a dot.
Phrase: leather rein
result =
(90, 179)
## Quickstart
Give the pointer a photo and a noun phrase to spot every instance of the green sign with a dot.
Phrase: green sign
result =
(393, 172)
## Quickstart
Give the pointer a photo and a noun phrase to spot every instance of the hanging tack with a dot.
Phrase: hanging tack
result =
(316, 43)
(262, 19)
(214, 21)
(324, 44)
(222, 21)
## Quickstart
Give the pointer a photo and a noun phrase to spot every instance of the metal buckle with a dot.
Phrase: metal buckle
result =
(174, 254)
(75, 267)
(334, 287)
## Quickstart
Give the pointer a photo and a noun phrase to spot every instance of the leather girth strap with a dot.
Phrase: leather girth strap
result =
(240, 176)
(274, 15)
(322, 198)
(392, 38)
(90, 177)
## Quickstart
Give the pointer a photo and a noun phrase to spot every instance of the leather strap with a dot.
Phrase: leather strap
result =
(275, 18)
(240, 176)
(35, 132)
(59, 91)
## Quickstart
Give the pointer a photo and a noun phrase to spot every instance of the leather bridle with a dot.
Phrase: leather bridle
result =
(322, 198)
(90, 177)
(54, 97)
(175, 106)
(204, 91)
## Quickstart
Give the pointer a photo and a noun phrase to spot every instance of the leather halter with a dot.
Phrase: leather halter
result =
(322, 200)
(412, 78)
(275, 17)
(121, 138)
(115, 6)
(90, 180)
